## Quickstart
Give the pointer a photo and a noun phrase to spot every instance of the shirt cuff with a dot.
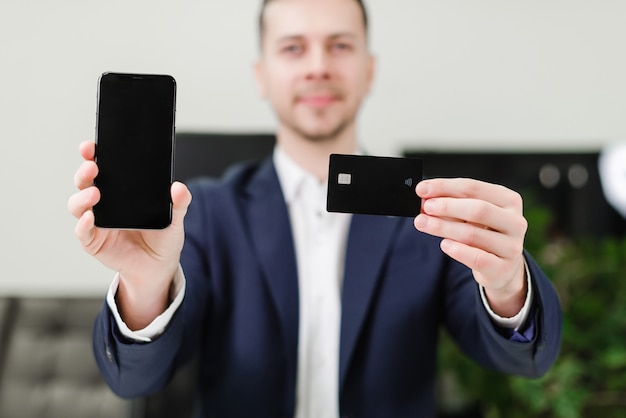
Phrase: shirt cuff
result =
(515, 322)
(158, 325)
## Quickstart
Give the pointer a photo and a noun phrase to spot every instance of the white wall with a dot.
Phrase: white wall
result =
(540, 74)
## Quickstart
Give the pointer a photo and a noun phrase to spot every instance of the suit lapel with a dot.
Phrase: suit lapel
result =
(368, 243)
(272, 238)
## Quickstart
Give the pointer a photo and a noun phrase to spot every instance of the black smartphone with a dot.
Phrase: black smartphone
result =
(135, 129)
(373, 185)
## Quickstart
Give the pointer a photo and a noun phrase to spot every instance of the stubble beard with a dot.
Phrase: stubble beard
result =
(316, 132)
(316, 135)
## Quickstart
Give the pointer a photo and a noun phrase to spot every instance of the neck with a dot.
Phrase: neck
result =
(312, 155)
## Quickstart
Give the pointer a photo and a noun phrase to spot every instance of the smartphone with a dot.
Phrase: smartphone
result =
(135, 130)
(374, 185)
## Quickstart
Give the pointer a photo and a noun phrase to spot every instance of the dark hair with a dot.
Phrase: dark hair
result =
(266, 2)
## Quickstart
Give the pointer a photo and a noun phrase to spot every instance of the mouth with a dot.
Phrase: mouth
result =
(317, 100)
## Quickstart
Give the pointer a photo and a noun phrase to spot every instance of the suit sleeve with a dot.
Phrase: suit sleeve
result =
(482, 340)
(134, 368)
(131, 368)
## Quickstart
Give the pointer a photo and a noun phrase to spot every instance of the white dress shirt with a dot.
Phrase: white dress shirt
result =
(320, 239)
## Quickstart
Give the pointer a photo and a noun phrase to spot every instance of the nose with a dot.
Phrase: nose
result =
(318, 64)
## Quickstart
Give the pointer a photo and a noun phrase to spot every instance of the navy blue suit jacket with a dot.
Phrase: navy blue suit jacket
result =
(241, 312)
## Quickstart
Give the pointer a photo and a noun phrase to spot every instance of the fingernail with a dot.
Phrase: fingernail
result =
(422, 189)
(421, 221)
(429, 206)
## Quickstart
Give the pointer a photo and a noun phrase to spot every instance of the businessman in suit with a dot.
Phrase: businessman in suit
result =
(295, 311)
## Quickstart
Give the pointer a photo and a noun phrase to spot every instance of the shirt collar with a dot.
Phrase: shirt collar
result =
(291, 176)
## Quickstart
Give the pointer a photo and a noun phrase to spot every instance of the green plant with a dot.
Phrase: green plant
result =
(589, 377)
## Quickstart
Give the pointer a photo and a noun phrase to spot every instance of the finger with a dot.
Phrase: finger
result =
(484, 264)
(469, 188)
(85, 229)
(83, 201)
(475, 236)
(87, 150)
(477, 212)
(85, 174)
(181, 198)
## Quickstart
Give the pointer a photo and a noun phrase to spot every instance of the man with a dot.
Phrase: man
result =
(300, 312)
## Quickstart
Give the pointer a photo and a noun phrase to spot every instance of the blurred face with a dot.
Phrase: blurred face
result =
(315, 67)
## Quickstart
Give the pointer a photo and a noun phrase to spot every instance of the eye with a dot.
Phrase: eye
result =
(293, 49)
(341, 46)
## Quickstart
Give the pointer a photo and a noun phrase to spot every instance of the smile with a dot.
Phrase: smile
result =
(317, 101)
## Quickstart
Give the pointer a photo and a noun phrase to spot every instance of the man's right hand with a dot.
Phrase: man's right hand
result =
(145, 259)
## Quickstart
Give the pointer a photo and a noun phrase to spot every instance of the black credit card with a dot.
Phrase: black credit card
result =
(373, 185)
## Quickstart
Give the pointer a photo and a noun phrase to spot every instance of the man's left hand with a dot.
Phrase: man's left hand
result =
(483, 227)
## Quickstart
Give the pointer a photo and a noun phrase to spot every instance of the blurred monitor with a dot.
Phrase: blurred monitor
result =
(210, 154)
(567, 183)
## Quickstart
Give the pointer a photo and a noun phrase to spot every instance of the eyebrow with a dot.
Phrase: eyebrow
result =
(288, 38)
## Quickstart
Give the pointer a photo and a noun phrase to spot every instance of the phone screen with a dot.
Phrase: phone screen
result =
(134, 150)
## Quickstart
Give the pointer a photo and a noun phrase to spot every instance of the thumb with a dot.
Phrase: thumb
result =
(181, 198)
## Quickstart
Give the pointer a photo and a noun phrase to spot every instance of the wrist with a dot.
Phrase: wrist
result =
(141, 301)
(508, 300)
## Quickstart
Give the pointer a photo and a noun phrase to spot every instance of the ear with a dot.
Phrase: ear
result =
(259, 76)
(371, 72)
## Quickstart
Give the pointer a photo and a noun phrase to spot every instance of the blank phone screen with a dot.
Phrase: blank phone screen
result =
(134, 150)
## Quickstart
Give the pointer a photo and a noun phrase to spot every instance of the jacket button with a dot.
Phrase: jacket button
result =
(109, 353)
